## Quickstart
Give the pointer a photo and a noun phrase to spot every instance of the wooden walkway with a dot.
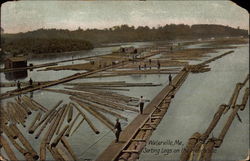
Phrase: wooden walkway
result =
(152, 115)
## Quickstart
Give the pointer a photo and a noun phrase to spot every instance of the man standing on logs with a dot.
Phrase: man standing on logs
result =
(170, 79)
(141, 104)
(31, 82)
(158, 64)
(18, 85)
(118, 130)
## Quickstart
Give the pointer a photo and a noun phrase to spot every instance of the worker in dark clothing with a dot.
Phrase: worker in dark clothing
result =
(170, 79)
(18, 85)
(158, 64)
(31, 82)
(141, 104)
(139, 67)
(118, 130)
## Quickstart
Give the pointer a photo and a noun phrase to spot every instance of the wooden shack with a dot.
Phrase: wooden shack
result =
(15, 62)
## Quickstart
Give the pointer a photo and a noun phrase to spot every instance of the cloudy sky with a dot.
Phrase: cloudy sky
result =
(22, 16)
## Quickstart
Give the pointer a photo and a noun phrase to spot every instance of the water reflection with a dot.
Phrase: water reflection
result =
(16, 75)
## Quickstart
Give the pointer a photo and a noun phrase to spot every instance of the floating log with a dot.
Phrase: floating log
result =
(25, 152)
(62, 118)
(95, 83)
(31, 131)
(78, 125)
(29, 104)
(37, 104)
(88, 121)
(46, 123)
(8, 131)
(245, 81)
(208, 150)
(227, 125)
(58, 138)
(56, 155)
(62, 152)
(18, 116)
(95, 113)
(71, 125)
(244, 99)
(68, 147)
(213, 123)
(37, 118)
(24, 141)
(11, 155)
(104, 110)
(70, 113)
(24, 107)
(100, 88)
(55, 125)
(45, 141)
(189, 147)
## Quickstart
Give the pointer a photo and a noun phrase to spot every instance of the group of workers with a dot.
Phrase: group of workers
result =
(117, 126)
(150, 61)
(19, 84)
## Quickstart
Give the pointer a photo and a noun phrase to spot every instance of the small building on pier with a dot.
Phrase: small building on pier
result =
(15, 62)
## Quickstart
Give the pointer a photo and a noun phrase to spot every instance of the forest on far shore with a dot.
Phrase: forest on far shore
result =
(62, 40)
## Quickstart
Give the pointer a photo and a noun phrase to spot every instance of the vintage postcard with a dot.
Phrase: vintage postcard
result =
(124, 81)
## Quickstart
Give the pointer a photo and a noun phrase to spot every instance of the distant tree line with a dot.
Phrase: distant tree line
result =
(58, 40)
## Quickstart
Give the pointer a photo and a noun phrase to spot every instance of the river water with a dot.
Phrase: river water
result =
(191, 110)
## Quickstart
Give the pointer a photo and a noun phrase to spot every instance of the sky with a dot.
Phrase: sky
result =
(23, 16)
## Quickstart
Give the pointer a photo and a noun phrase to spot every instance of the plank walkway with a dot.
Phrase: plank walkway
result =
(114, 150)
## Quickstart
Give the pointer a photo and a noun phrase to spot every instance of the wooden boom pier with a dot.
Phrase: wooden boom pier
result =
(139, 131)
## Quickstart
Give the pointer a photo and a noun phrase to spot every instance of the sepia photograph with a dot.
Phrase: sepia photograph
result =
(138, 80)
